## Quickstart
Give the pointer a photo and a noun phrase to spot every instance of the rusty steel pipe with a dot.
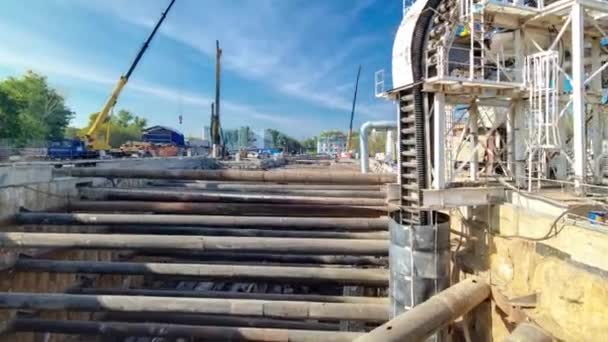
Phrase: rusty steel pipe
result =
(209, 221)
(214, 306)
(172, 230)
(423, 320)
(228, 295)
(346, 276)
(355, 192)
(264, 187)
(213, 333)
(359, 260)
(213, 196)
(331, 177)
(228, 209)
(194, 243)
(218, 320)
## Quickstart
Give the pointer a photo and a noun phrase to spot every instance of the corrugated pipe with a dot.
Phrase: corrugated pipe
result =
(364, 132)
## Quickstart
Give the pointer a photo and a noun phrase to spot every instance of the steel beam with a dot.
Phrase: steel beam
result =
(209, 221)
(218, 320)
(439, 137)
(331, 177)
(266, 187)
(424, 319)
(213, 333)
(327, 190)
(229, 209)
(212, 196)
(172, 230)
(229, 295)
(194, 243)
(347, 276)
(266, 258)
(578, 96)
(464, 196)
(214, 306)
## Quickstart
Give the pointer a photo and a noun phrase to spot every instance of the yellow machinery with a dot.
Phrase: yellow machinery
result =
(91, 138)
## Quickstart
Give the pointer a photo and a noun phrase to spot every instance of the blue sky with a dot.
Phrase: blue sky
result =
(287, 64)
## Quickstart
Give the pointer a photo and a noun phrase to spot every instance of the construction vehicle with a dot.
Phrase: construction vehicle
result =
(347, 154)
(93, 145)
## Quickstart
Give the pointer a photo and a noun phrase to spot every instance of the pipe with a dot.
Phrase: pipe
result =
(214, 306)
(305, 177)
(356, 193)
(266, 258)
(348, 276)
(194, 243)
(209, 221)
(229, 295)
(229, 209)
(363, 136)
(268, 187)
(212, 196)
(423, 320)
(211, 333)
(172, 230)
(218, 320)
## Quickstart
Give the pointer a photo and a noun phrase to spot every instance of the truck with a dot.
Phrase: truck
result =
(70, 149)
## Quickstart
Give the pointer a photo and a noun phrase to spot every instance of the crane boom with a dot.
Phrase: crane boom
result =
(352, 114)
(90, 136)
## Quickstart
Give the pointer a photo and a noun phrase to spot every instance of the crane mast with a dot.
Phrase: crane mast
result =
(103, 116)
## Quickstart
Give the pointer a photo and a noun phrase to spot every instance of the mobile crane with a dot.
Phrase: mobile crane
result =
(90, 146)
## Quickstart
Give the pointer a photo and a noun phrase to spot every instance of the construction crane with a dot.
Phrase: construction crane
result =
(215, 113)
(352, 114)
(91, 137)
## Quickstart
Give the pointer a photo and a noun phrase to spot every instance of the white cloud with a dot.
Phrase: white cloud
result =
(15, 55)
(297, 50)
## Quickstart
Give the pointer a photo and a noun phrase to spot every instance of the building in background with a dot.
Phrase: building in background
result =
(331, 142)
(163, 135)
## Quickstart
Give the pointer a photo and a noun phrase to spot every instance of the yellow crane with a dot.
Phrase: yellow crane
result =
(91, 138)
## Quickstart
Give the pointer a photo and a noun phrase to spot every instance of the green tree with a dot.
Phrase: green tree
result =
(9, 121)
(310, 144)
(124, 126)
(38, 112)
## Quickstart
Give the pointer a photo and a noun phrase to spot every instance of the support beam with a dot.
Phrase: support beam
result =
(306, 177)
(267, 187)
(229, 295)
(465, 196)
(423, 320)
(473, 126)
(229, 209)
(262, 232)
(213, 333)
(194, 243)
(578, 96)
(212, 196)
(218, 320)
(439, 137)
(347, 276)
(214, 306)
(209, 221)
(266, 258)
(171, 230)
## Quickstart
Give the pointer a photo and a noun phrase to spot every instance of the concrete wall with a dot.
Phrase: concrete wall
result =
(567, 269)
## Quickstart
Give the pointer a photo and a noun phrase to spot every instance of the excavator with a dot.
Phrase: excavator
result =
(90, 145)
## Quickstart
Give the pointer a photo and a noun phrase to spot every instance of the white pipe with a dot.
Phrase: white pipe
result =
(364, 132)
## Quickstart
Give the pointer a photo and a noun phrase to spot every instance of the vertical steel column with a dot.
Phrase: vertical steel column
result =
(578, 94)
(439, 141)
(597, 129)
(473, 123)
(419, 259)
